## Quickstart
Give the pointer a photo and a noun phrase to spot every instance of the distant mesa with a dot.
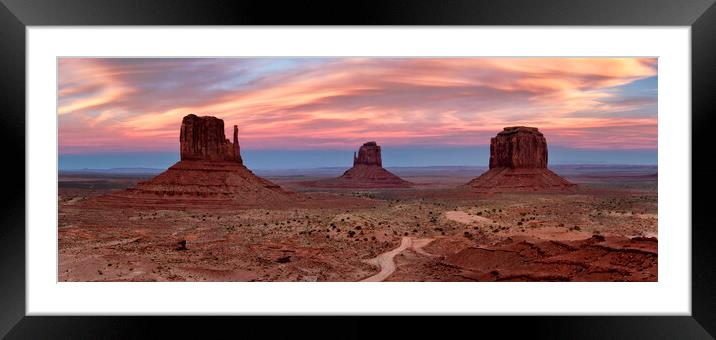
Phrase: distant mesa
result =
(367, 172)
(210, 170)
(518, 162)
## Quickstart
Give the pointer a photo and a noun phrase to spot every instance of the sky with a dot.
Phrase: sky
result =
(310, 112)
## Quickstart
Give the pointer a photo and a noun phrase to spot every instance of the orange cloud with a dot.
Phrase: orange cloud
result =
(120, 104)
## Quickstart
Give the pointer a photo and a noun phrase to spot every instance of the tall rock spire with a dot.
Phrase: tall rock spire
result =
(237, 149)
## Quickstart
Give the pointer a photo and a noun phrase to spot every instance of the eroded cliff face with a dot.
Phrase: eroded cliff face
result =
(203, 139)
(518, 147)
(368, 154)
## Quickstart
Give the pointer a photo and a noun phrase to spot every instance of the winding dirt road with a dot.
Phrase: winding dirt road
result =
(386, 263)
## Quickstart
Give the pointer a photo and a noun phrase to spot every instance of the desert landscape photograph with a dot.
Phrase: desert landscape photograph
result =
(371, 169)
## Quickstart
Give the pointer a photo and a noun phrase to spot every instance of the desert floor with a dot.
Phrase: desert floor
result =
(435, 231)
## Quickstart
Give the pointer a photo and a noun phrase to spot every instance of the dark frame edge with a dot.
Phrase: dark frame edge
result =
(12, 234)
(12, 127)
(367, 12)
(703, 235)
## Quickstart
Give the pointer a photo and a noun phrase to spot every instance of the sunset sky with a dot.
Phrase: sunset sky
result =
(116, 112)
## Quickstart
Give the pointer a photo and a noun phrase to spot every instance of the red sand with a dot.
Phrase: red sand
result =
(594, 259)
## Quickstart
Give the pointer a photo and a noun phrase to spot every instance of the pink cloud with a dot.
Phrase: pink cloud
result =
(125, 104)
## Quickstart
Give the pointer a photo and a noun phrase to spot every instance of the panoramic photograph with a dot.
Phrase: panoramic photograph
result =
(370, 169)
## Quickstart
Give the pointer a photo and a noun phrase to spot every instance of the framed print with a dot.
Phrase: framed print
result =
(551, 172)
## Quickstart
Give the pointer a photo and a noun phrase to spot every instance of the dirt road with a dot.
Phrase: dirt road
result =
(386, 263)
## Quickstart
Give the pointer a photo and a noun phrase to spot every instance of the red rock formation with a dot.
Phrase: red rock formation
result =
(518, 162)
(524, 258)
(202, 138)
(518, 147)
(210, 171)
(368, 154)
(367, 172)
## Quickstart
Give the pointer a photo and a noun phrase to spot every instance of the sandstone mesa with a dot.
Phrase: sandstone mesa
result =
(518, 162)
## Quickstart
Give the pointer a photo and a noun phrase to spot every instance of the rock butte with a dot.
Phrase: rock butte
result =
(210, 170)
(367, 172)
(518, 163)
(202, 138)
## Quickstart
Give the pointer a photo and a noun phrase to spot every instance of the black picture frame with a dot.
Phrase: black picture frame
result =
(15, 15)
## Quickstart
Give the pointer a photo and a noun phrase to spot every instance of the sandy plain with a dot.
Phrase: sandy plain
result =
(437, 230)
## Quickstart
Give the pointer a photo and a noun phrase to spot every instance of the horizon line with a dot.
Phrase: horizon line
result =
(394, 167)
